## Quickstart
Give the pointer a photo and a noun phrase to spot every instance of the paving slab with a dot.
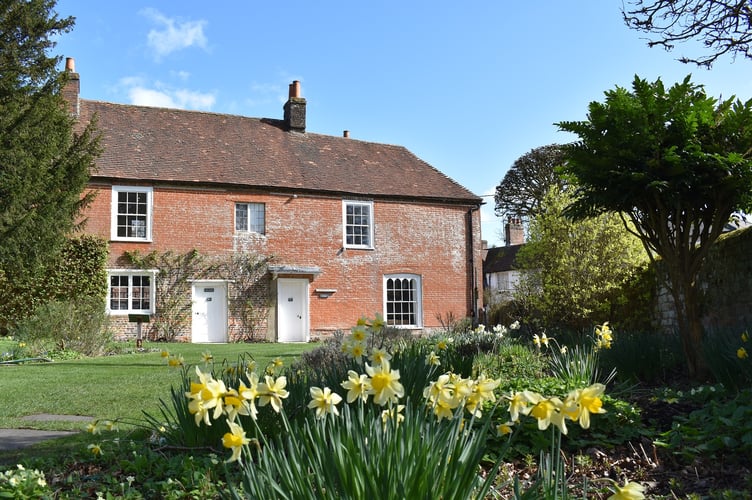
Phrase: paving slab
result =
(14, 439)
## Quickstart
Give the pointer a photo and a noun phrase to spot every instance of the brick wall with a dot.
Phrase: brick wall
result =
(441, 243)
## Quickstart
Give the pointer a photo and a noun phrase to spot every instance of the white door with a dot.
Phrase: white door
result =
(292, 310)
(209, 312)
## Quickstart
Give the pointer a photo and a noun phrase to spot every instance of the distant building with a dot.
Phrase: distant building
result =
(500, 277)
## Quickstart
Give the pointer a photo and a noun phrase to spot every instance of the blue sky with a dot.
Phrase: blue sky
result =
(468, 87)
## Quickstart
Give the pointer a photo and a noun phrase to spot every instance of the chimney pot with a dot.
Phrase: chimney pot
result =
(346, 133)
(70, 65)
(295, 89)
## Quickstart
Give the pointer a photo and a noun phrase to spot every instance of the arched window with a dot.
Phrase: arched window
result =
(403, 306)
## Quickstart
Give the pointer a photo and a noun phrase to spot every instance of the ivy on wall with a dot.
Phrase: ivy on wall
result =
(248, 299)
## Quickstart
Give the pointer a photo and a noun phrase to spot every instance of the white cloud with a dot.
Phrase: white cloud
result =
(162, 96)
(173, 35)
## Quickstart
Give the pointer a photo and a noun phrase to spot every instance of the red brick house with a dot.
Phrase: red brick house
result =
(351, 227)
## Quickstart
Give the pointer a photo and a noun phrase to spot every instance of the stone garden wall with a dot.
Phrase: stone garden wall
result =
(726, 282)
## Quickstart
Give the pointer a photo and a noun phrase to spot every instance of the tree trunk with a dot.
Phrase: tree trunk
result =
(691, 331)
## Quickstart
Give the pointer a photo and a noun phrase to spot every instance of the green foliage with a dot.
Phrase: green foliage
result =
(648, 357)
(359, 455)
(579, 366)
(83, 269)
(130, 467)
(44, 164)
(80, 327)
(247, 295)
(575, 274)
(721, 429)
(21, 483)
(511, 361)
(728, 356)
(674, 161)
(521, 192)
(173, 293)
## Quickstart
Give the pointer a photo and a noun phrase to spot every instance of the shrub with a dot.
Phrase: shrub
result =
(644, 356)
(728, 356)
(78, 326)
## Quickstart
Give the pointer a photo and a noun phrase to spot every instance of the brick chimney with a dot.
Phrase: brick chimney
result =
(514, 233)
(295, 109)
(72, 87)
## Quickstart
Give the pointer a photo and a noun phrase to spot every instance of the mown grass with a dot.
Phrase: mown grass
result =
(111, 387)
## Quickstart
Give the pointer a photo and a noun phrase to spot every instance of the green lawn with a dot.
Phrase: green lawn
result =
(111, 387)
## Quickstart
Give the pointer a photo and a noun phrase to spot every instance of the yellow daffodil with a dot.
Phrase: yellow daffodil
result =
(324, 401)
(630, 491)
(277, 363)
(378, 356)
(440, 388)
(207, 357)
(93, 427)
(209, 394)
(443, 407)
(273, 392)
(110, 425)
(441, 345)
(248, 394)
(165, 353)
(96, 449)
(518, 403)
(233, 405)
(362, 321)
(504, 429)
(357, 350)
(537, 341)
(385, 385)
(176, 360)
(485, 387)
(741, 353)
(463, 387)
(745, 337)
(543, 410)
(589, 402)
(604, 336)
(544, 340)
(432, 359)
(357, 385)
(359, 333)
(378, 322)
(394, 413)
(235, 439)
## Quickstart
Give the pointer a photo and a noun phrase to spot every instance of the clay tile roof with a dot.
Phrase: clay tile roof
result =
(179, 146)
(500, 259)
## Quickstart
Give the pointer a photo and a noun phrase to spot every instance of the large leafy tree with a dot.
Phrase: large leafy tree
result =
(527, 181)
(577, 274)
(675, 163)
(44, 165)
(723, 26)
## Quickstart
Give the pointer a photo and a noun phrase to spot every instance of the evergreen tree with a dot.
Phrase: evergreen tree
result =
(44, 164)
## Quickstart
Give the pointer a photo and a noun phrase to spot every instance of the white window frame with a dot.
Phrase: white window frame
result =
(248, 226)
(417, 300)
(116, 190)
(361, 203)
(130, 273)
